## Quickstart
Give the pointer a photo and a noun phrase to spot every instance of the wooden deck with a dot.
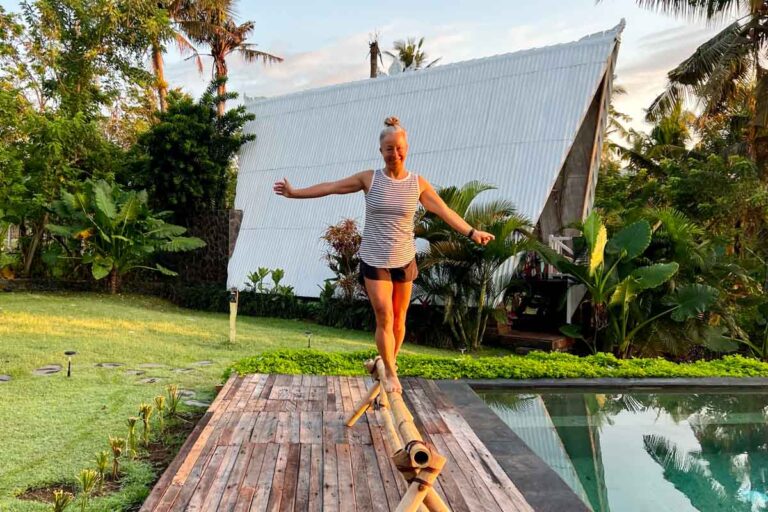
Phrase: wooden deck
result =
(279, 443)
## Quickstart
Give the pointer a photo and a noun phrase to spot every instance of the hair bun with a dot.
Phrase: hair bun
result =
(392, 121)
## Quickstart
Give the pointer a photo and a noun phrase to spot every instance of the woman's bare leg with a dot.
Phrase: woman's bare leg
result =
(380, 295)
(401, 299)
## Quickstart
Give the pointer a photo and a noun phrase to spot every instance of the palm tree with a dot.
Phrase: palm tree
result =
(224, 36)
(714, 73)
(410, 55)
(179, 20)
(464, 276)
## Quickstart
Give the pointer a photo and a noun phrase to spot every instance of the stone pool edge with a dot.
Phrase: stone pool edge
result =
(700, 382)
(541, 486)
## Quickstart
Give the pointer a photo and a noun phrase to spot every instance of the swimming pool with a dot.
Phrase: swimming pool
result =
(632, 451)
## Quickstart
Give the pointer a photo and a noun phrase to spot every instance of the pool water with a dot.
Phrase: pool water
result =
(648, 451)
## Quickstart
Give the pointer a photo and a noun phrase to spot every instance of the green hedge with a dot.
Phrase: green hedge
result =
(536, 365)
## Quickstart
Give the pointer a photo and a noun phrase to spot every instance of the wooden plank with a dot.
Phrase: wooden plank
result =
(244, 428)
(346, 483)
(303, 477)
(261, 456)
(347, 404)
(275, 494)
(315, 478)
(218, 484)
(266, 427)
(495, 480)
(361, 430)
(245, 454)
(362, 491)
(290, 481)
(311, 428)
(330, 478)
(426, 411)
(470, 482)
(456, 487)
(268, 385)
(330, 397)
(198, 448)
(167, 478)
(216, 404)
(195, 490)
(376, 483)
(266, 477)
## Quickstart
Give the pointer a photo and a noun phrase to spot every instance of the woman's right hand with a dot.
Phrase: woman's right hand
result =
(283, 188)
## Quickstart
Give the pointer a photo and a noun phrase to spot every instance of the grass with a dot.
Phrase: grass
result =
(52, 426)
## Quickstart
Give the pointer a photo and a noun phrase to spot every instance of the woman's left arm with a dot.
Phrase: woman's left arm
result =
(432, 202)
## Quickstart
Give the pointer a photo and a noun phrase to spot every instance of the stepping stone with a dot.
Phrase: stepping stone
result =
(196, 403)
(186, 393)
(109, 365)
(183, 370)
(5, 378)
(47, 370)
(134, 372)
(150, 380)
(203, 363)
(151, 365)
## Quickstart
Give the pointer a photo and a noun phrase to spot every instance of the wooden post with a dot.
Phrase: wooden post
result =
(418, 463)
(233, 297)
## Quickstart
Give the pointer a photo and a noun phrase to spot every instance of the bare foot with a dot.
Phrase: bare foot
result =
(393, 383)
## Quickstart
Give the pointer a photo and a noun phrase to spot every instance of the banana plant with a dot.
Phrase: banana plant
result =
(615, 281)
(116, 230)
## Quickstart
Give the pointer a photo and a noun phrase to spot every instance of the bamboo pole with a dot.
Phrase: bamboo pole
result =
(418, 462)
(421, 488)
(365, 404)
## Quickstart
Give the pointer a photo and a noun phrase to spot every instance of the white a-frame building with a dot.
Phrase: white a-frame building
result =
(529, 122)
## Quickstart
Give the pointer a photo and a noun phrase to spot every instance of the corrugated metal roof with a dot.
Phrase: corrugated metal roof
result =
(508, 120)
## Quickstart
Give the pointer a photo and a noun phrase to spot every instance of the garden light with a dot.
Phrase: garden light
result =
(69, 354)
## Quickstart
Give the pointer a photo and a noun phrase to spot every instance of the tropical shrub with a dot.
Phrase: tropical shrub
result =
(116, 230)
(462, 276)
(343, 240)
(260, 298)
(617, 280)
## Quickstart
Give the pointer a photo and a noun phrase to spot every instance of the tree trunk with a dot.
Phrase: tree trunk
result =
(33, 246)
(480, 306)
(114, 282)
(160, 83)
(759, 128)
(374, 52)
(221, 72)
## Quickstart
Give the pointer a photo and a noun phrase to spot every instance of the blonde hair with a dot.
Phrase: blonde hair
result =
(392, 126)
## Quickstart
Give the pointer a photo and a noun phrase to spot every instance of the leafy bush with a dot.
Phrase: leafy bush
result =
(276, 300)
(536, 365)
(116, 230)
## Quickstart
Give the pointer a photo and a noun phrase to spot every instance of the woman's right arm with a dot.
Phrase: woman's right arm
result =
(348, 185)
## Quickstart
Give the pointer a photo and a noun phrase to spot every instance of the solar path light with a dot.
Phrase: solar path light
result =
(69, 354)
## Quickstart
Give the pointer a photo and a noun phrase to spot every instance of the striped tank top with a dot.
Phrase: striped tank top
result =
(390, 207)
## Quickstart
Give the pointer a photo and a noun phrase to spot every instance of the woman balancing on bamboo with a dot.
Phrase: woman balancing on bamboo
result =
(388, 251)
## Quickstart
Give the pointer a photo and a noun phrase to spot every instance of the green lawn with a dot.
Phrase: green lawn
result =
(51, 426)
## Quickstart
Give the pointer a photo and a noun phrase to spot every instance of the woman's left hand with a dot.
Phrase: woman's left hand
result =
(482, 238)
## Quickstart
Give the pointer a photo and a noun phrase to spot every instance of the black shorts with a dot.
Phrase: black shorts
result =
(402, 274)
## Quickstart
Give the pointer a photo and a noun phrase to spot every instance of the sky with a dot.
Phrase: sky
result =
(325, 43)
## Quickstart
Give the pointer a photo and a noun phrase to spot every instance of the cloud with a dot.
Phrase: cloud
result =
(644, 71)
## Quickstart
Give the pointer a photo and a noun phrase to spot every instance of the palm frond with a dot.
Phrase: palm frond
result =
(251, 55)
